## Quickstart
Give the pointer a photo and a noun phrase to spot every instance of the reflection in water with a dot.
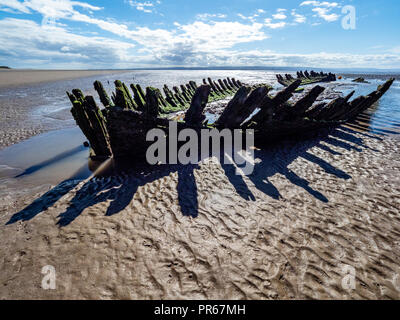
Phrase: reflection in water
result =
(45, 159)
(58, 158)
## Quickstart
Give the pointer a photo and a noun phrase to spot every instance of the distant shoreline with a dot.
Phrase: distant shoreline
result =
(15, 77)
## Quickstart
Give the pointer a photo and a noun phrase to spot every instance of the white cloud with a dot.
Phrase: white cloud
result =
(320, 4)
(53, 44)
(13, 5)
(298, 18)
(179, 44)
(323, 9)
(49, 9)
(251, 18)
(277, 25)
(219, 34)
(146, 6)
(206, 16)
(324, 14)
(316, 60)
(279, 16)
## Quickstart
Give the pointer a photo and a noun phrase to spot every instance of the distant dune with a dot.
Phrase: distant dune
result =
(4, 67)
(13, 77)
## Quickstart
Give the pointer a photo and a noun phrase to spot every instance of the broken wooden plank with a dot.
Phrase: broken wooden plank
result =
(104, 98)
(194, 115)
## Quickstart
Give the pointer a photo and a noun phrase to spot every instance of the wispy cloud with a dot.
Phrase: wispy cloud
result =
(207, 16)
(320, 4)
(323, 9)
(274, 25)
(55, 45)
(298, 18)
(13, 6)
(279, 16)
(324, 14)
(146, 6)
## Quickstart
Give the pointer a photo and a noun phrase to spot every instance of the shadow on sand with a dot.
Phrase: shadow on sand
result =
(271, 160)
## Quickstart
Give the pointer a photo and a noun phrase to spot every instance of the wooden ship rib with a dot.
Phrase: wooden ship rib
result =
(120, 128)
(306, 78)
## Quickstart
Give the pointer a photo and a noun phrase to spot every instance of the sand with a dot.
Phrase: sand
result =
(17, 102)
(11, 78)
(312, 211)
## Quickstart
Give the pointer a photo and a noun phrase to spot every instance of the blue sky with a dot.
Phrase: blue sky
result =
(66, 34)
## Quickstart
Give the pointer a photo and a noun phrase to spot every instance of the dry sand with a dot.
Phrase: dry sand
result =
(11, 78)
(311, 211)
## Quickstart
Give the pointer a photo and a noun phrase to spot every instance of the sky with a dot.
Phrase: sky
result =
(66, 34)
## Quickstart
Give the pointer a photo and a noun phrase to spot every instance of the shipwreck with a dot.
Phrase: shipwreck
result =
(119, 129)
(306, 78)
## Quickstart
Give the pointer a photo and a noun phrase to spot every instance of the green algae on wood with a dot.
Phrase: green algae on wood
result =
(121, 129)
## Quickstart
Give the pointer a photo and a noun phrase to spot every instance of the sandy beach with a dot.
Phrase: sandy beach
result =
(200, 159)
(310, 211)
(313, 212)
(16, 122)
(12, 78)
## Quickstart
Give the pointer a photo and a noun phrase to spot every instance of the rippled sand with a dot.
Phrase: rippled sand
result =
(311, 211)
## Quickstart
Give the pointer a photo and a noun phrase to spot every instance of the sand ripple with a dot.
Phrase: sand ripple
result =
(310, 211)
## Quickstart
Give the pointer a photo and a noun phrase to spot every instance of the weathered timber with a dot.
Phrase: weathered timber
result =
(270, 106)
(153, 103)
(194, 115)
(360, 80)
(306, 78)
(307, 101)
(90, 120)
(238, 99)
(123, 98)
(360, 104)
(243, 104)
(120, 129)
(315, 110)
(222, 85)
(219, 88)
(235, 83)
(185, 94)
(211, 83)
(139, 99)
(104, 98)
(232, 86)
(333, 107)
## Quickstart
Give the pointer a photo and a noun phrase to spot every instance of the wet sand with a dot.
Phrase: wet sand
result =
(14, 77)
(24, 92)
(311, 211)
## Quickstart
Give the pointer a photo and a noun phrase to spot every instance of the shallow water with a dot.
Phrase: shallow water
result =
(45, 159)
